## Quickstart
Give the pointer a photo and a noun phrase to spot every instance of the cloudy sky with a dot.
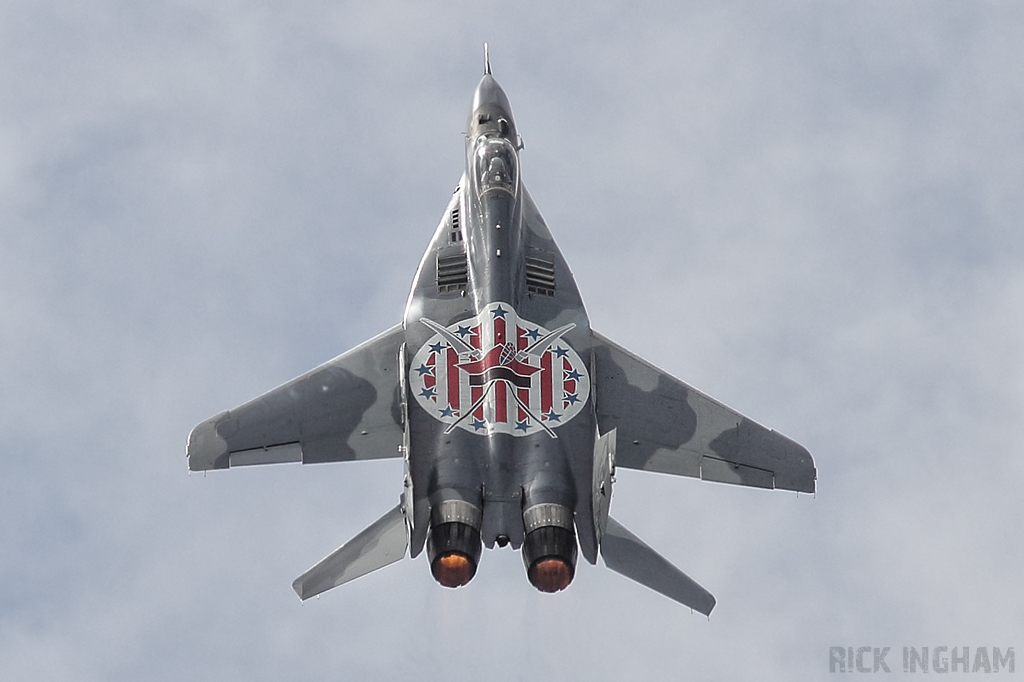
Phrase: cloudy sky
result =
(811, 212)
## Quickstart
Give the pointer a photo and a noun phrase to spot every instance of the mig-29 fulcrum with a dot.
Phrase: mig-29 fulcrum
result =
(510, 412)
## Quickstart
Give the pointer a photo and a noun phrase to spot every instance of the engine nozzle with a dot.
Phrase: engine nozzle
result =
(454, 544)
(549, 550)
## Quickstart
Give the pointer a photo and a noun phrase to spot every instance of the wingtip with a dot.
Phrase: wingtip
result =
(205, 449)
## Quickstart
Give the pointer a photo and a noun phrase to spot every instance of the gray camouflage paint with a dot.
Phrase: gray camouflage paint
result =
(383, 542)
(346, 409)
(667, 426)
(354, 406)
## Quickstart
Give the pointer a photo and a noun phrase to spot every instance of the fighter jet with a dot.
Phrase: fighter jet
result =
(510, 412)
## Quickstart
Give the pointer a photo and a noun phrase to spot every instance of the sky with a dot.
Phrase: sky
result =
(810, 211)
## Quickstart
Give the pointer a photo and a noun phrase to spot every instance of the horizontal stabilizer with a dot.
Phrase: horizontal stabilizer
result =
(383, 543)
(627, 554)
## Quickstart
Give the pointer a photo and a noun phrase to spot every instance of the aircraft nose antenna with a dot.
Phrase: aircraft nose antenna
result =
(487, 62)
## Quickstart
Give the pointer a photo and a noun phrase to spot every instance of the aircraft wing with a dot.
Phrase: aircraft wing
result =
(346, 409)
(667, 426)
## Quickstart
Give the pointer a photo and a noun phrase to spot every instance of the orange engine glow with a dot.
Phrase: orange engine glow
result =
(453, 569)
(550, 574)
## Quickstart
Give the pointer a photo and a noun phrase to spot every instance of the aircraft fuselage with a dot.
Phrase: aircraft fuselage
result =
(498, 283)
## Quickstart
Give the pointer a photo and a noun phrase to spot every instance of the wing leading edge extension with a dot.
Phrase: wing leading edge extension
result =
(346, 409)
(664, 425)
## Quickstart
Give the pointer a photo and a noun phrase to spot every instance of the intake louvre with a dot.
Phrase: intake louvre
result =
(540, 276)
(456, 233)
(452, 273)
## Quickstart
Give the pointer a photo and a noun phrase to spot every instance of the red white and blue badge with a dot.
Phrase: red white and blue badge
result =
(499, 373)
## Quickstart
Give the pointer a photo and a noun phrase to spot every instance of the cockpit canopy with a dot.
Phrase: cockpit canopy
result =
(497, 166)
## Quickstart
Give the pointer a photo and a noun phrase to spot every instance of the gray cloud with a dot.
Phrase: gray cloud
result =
(809, 212)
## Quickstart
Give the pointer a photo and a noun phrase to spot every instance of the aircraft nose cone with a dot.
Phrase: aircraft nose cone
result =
(489, 92)
(490, 104)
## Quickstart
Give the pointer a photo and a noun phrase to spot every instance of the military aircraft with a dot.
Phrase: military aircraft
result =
(510, 412)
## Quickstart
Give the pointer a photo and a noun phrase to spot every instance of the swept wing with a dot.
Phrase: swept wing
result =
(346, 409)
(667, 426)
